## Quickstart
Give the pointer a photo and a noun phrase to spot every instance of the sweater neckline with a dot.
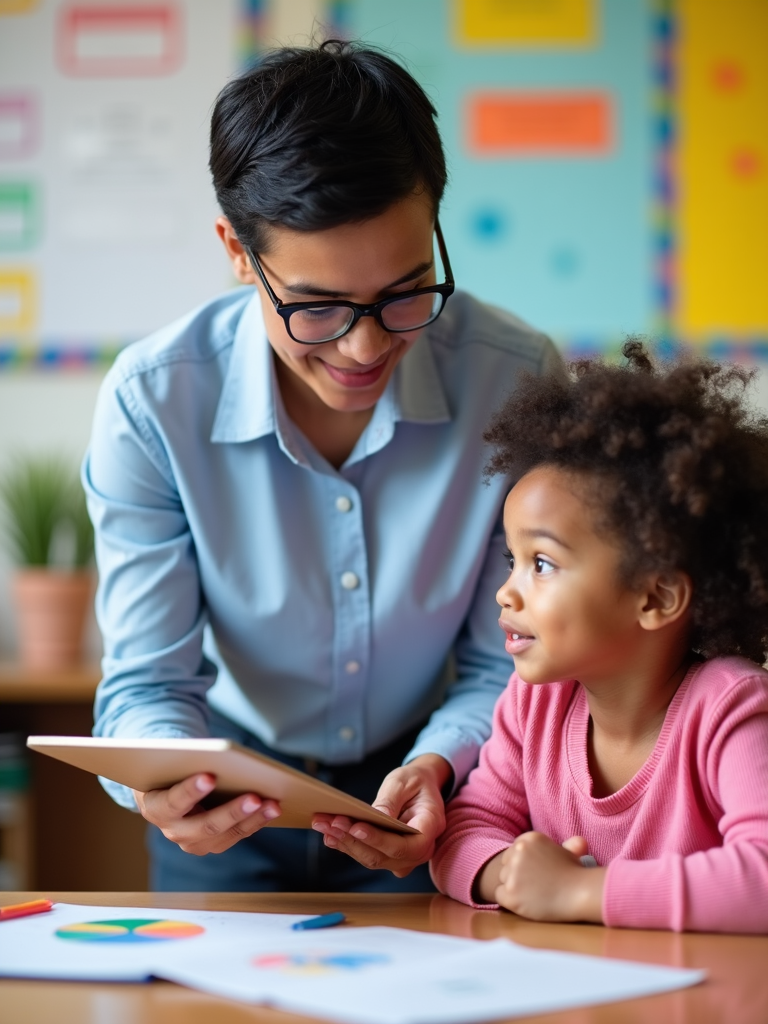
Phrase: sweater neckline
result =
(576, 727)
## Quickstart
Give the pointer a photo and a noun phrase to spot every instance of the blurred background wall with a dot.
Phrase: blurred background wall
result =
(609, 175)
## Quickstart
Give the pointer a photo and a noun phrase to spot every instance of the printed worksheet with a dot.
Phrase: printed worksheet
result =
(394, 976)
(87, 943)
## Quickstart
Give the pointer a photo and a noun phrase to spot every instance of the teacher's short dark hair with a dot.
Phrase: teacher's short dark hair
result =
(314, 137)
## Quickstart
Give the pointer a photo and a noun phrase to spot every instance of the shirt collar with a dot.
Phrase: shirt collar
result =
(248, 409)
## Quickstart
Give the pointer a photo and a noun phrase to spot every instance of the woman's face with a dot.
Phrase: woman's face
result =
(359, 262)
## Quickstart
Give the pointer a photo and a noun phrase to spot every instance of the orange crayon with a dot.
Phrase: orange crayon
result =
(25, 909)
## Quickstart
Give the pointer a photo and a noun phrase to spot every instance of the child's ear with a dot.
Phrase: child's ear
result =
(666, 598)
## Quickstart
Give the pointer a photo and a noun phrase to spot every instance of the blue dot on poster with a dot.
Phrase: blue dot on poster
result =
(565, 261)
(489, 224)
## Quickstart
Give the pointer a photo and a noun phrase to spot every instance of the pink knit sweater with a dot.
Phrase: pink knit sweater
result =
(685, 841)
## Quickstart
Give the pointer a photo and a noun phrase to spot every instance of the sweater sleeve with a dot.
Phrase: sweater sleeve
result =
(490, 810)
(724, 889)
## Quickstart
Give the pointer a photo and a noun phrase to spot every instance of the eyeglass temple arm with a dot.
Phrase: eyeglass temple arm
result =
(443, 253)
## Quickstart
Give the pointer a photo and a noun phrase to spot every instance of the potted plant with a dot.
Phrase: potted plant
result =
(51, 541)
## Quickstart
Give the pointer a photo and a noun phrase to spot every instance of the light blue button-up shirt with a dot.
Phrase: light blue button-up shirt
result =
(314, 607)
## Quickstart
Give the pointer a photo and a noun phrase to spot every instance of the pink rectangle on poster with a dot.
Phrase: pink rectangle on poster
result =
(19, 123)
(131, 41)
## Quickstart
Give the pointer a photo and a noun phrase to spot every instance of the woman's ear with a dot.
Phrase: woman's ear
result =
(241, 265)
(667, 598)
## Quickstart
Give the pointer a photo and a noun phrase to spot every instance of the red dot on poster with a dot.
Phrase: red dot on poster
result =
(746, 163)
(728, 76)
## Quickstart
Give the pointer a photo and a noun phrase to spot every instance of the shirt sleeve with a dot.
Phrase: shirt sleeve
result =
(459, 728)
(490, 811)
(148, 605)
(724, 889)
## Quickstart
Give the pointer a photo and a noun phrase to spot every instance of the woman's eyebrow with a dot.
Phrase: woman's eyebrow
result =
(307, 288)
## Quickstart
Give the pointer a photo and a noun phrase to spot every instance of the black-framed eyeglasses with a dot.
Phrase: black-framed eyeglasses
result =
(312, 323)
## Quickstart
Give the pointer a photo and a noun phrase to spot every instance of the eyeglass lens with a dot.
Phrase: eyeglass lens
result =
(324, 323)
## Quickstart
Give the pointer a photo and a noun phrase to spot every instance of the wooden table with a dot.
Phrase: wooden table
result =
(736, 991)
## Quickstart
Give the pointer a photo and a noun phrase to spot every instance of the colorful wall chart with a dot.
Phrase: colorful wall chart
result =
(608, 160)
(106, 206)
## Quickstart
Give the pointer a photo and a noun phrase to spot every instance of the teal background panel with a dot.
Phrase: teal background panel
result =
(565, 242)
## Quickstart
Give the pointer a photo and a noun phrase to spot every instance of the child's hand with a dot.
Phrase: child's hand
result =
(545, 882)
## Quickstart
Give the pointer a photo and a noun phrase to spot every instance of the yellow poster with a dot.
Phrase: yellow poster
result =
(525, 22)
(722, 168)
(18, 302)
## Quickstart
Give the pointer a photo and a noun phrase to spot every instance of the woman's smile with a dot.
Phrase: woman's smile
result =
(356, 376)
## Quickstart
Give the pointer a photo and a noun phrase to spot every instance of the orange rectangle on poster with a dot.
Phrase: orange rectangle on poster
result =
(534, 124)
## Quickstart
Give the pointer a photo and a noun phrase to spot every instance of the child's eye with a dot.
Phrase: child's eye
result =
(509, 558)
(541, 566)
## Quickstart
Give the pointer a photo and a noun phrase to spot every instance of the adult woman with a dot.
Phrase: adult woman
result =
(285, 485)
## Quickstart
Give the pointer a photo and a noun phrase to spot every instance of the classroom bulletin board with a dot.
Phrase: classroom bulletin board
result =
(608, 161)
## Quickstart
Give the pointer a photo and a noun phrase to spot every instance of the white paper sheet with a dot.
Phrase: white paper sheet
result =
(31, 948)
(392, 976)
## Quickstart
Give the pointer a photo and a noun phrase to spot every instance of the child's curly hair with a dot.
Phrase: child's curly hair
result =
(678, 467)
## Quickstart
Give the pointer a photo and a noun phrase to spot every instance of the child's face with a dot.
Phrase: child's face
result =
(565, 612)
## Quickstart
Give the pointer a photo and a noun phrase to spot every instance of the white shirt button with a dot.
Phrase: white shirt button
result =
(343, 504)
(352, 667)
(349, 581)
(346, 732)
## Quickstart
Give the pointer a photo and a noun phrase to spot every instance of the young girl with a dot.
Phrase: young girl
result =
(634, 730)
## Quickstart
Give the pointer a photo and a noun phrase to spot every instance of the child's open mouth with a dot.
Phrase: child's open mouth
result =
(517, 642)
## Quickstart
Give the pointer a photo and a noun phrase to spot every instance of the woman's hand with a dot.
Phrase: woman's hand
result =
(179, 816)
(536, 878)
(413, 795)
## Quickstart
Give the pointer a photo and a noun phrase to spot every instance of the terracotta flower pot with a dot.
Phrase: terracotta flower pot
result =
(52, 608)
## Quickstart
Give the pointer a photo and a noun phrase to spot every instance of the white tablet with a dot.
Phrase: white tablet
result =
(158, 764)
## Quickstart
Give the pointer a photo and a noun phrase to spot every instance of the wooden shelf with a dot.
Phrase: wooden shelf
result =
(74, 836)
(36, 685)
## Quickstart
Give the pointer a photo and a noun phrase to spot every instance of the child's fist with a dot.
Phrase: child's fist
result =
(546, 882)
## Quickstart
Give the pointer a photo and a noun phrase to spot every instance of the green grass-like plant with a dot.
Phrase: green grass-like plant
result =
(42, 500)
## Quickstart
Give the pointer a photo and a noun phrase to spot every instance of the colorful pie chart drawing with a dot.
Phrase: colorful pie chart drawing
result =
(129, 930)
(319, 962)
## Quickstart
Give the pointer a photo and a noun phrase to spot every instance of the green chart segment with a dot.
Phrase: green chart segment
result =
(129, 930)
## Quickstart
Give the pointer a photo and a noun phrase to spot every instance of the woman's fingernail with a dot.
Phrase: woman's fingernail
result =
(359, 833)
(320, 826)
(203, 785)
(250, 805)
(330, 841)
(271, 812)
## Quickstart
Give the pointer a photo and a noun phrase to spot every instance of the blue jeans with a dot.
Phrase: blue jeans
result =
(286, 859)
